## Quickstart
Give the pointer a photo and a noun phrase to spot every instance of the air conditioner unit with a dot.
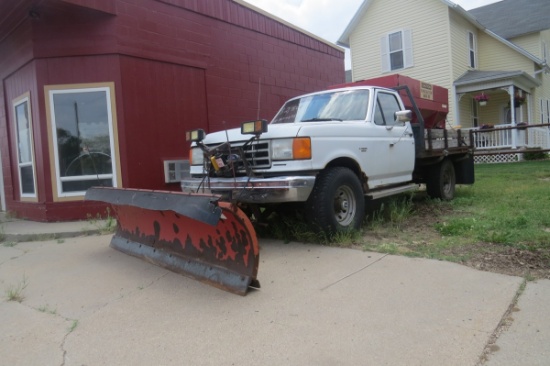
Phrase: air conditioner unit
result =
(175, 170)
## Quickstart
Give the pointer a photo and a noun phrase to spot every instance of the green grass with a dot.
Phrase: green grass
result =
(508, 205)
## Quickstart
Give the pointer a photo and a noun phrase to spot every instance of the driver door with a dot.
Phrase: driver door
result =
(392, 149)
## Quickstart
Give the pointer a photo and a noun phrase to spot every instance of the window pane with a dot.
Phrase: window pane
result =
(27, 180)
(396, 60)
(396, 41)
(389, 105)
(23, 132)
(471, 39)
(347, 105)
(82, 126)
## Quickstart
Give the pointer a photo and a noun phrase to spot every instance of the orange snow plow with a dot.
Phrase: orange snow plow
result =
(196, 235)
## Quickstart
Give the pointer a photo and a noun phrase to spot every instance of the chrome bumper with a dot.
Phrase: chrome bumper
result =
(254, 190)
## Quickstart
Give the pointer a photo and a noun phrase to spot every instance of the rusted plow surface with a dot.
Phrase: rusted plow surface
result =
(198, 236)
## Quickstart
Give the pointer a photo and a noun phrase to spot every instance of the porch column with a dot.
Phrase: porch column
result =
(511, 92)
(456, 108)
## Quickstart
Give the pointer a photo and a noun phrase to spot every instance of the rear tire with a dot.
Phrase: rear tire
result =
(441, 181)
(336, 203)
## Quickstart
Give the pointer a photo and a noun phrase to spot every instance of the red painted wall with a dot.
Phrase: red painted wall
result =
(161, 101)
(176, 65)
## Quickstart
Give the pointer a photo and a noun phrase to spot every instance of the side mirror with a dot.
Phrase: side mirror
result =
(403, 116)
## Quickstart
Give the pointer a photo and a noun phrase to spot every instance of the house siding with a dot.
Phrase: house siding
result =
(495, 55)
(460, 29)
(431, 64)
(530, 43)
(441, 53)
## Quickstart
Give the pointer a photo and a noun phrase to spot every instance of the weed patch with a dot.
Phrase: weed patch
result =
(15, 292)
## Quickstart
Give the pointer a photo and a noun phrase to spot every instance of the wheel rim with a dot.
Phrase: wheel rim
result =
(344, 206)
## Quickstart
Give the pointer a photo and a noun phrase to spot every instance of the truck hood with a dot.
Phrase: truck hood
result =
(275, 131)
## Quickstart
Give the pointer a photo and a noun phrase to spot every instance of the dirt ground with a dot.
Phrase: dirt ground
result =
(418, 233)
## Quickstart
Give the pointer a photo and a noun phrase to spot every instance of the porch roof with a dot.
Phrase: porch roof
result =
(475, 80)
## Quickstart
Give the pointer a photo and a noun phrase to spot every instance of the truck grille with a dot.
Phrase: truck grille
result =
(256, 154)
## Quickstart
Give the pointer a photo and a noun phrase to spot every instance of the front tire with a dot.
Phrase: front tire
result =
(441, 181)
(336, 203)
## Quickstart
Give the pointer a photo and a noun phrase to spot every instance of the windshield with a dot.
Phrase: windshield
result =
(348, 105)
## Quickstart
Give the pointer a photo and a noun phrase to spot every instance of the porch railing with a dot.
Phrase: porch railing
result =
(502, 137)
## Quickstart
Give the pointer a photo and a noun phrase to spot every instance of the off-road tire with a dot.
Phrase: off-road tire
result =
(441, 181)
(337, 202)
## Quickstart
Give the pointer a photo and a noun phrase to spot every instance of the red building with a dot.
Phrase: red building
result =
(101, 92)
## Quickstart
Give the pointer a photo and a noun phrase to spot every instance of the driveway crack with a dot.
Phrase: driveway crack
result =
(354, 272)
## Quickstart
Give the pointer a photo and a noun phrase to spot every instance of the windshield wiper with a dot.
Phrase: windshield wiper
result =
(321, 119)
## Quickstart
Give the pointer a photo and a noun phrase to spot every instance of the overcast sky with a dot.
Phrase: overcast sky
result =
(328, 18)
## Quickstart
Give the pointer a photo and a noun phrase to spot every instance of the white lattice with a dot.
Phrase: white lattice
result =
(497, 159)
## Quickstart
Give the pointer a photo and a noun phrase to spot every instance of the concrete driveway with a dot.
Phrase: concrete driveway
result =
(87, 304)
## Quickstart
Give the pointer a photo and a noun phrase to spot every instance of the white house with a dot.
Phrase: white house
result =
(499, 51)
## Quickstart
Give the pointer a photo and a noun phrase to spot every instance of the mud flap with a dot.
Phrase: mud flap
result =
(198, 236)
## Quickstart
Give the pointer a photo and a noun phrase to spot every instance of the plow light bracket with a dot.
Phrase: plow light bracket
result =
(254, 127)
(195, 135)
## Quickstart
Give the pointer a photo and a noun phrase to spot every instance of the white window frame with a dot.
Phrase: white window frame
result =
(472, 50)
(406, 48)
(544, 51)
(114, 176)
(25, 98)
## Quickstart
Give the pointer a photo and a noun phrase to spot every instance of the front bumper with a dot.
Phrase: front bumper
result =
(254, 190)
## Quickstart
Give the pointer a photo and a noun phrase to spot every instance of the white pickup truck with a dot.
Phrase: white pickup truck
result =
(329, 152)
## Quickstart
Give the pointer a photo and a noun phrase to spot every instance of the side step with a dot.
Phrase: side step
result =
(391, 191)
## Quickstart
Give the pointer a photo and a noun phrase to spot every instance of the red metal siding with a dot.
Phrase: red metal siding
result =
(236, 59)
(161, 102)
(176, 65)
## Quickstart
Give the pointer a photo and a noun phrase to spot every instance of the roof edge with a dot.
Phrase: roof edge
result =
(343, 40)
(288, 24)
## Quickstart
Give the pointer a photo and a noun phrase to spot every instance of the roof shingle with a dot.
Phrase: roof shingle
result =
(512, 18)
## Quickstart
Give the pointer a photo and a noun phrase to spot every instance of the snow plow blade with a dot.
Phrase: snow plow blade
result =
(195, 235)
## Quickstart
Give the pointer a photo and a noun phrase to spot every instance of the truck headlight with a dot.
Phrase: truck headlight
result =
(298, 148)
(196, 156)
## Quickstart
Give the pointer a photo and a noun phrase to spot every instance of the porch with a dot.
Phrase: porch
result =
(508, 143)
(498, 108)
